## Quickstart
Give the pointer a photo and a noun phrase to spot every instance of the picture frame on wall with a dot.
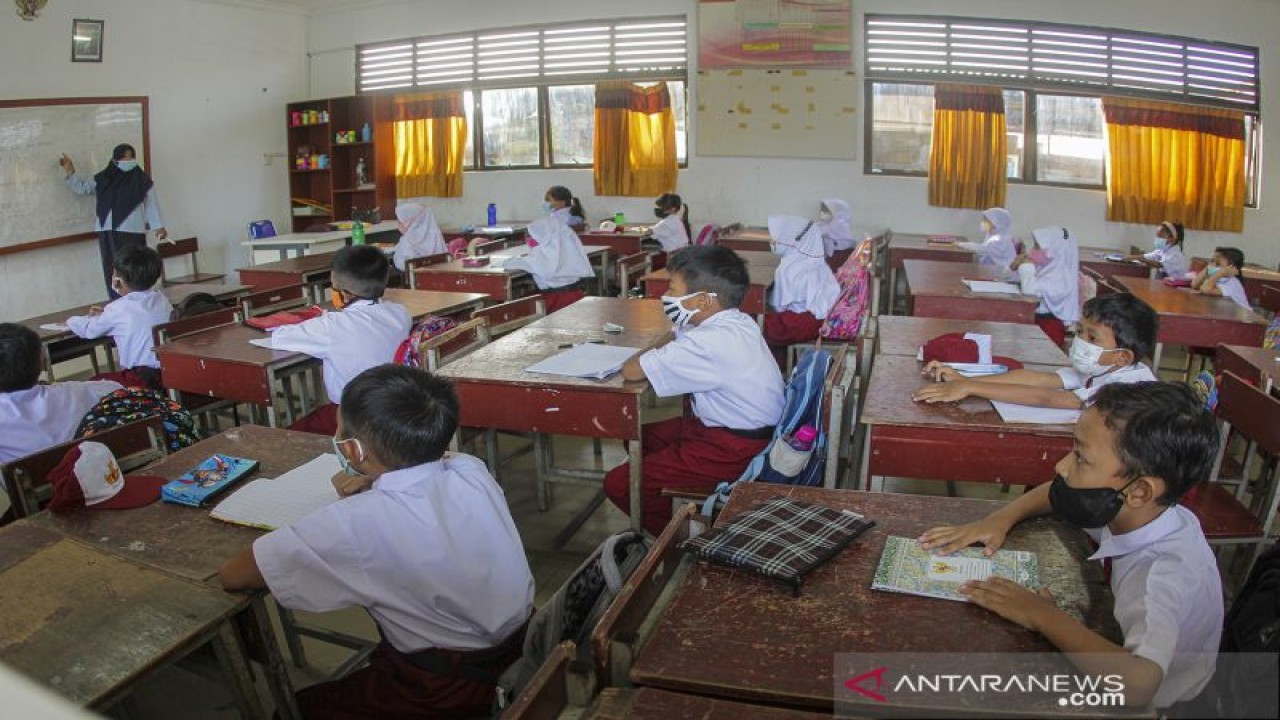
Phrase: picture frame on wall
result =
(86, 40)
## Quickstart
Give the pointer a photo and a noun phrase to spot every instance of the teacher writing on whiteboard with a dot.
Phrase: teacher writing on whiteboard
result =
(126, 205)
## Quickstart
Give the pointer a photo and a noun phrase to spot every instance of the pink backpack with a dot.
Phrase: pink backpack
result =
(431, 326)
(844, 321)
(707, 236)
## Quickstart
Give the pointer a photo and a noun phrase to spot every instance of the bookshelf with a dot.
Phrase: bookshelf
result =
(327, 185)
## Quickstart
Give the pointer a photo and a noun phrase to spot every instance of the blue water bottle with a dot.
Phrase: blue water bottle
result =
(493, 214)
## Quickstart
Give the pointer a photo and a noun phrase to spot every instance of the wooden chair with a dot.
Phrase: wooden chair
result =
(25, 478)
(205, 408)
(513, 315)
(265, 302)
(1269, 299)
(411, 266)
(454, 343)
(184, 248)
(629, 269)
(557, 687)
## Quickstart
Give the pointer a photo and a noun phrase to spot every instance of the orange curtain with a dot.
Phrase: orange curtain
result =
(430, 141)
(967, 158)
(1174, 162)
(635, 140)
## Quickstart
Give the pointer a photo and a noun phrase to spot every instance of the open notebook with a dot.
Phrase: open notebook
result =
(906, 567)
(1015, 413)
(269, 504)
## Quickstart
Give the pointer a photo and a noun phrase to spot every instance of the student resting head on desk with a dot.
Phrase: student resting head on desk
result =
(34, 416)
(834, 220)
(672, 229)
(718, 356)
(1166, 254)
(997, 247)
(364, 331)
(556, 260)
(804, 288)
(128, 320)
(1117, 337)
(422, 539)
(420, 235)
(1138, 449)
(1051, 271)
(560, 203)
(1221, 277)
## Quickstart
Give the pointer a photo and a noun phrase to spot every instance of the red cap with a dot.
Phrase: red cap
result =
(952, 347)
(89, 477)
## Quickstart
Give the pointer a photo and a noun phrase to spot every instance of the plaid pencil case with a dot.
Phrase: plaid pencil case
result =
(782, 539)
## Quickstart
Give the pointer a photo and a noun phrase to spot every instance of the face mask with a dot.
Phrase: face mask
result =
(986, 227)
(658, 213)
(1085, 507)
(1212, 270)
(546, 207)
(1039, 257)
(339, 299)
(531, 242)
(1085, 356)
(343, 462)
(824, 216)
(126, 165)
(677, 312)
(1161, 243)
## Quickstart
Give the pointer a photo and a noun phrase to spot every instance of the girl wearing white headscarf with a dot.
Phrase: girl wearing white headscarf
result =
(556, 260)
(1051, 271)
(804, 288)
(419, 234)
(998, 248)
(834, 224)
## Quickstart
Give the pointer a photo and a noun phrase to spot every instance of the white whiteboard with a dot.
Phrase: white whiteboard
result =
(35, 204)
(777, 113)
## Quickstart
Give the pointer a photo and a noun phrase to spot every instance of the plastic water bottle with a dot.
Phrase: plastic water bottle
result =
(493, 214)
(802, 439)
(366, 133)
(357, 233)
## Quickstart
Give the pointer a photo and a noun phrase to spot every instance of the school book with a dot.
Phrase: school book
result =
(587, 360)
(993, 287)
(273, 503)
(284, 317)
(213, 475)
(906, 567)
(1015, 413)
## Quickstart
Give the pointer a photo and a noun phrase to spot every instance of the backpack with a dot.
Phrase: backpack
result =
(432, 325)
(131, 404)
(1271, 340)
(573, 612)
(844, 320)
(707, 235)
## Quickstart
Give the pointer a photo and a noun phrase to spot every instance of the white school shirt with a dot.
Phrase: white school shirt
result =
(146, 214)
(46, 415)
(1168, 599)
(362, 335)
(430, 551)
(1172, 262)
(1231, 287)
(128, 320)
(670, 233)
(1086, 388)
(727, 367)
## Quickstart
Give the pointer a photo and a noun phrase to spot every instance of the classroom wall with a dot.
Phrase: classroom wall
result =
(724, 189)
(218, 74)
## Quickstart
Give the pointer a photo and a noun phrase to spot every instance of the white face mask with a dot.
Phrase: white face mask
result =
(825, 216)
(546, 207)
(126, 165)
(1085, 356)
(677, 312)
(343, 461)
(1160, 243)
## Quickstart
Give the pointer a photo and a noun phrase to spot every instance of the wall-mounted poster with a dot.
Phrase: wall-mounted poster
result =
(775, 34)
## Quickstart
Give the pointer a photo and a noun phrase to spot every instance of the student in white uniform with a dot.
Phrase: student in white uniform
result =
(1221, 277)
(364, 332)
(556, 260)
(1138, 449)
(1117, 338)
(804, 288)
(997, 248)
(129, 319)
(1051, 271)
(420, 235)
(422, 539)
(34, 416)
(1166, 254)
(718, 356)
(561, 204)
(834, 223)
(672, 229)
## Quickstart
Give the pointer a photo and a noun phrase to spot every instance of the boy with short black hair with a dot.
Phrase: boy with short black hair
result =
(364, 333)
(420, 538)
(1117, 338)
(1138, 449)
(33, 416)
(1224, 269)
(130, 318)
(718, 355)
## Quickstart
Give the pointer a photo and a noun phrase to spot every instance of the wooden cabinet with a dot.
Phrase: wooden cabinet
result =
(323, 170)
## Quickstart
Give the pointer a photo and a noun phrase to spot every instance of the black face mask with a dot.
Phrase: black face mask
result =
(658, 213)
(1085, 507)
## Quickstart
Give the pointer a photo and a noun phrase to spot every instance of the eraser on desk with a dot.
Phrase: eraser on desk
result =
(613, 328)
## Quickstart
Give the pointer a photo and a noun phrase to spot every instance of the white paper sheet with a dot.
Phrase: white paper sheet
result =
(588, 360)
(271, 504)
(977, 369)
(55, 327)
(262, 342)
(994, 287)
(1014, 413)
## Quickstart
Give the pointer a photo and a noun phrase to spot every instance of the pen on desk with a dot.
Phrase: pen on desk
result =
(592, 341)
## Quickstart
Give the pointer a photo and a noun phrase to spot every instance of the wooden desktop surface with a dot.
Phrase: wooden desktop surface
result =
(1026, 343)
(220, 291)
(1256, 364)
(938, 290)
(1189, 318)
(421, 303)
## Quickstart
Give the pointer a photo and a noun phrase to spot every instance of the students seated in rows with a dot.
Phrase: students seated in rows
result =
(33, 416)
(1221, 277)
(563, 206)
(672, 229)
(420, 235)
(1166, 254)
(420, 538)
(997, 246)
(128, 320)
(1138, 449)
(834, 224)
(804, 288)
(1117, 338)
(363, 333)
(718, 356)
(1051, 271)
(557, 261)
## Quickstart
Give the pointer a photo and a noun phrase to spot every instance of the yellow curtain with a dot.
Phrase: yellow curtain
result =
(967, 159)
(1174, 162)
(430, 141)
(635, 140)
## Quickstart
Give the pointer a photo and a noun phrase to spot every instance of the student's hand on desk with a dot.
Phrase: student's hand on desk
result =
(1031, 609)
(949, 538)
(95, 310)
(954, 391)
(939, 371)
(348, 485)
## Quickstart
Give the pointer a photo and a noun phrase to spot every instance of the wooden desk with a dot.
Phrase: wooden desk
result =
(421, 303)
(495, 391)
(646, 703)
(1095, 259)
(727, 634)
(220, 292)
(307, 243)
(757, 238)
(309, 270)
(1189, 318)
(938, 290)
(761, 267)
(950, 441)
(1026, 343)
(1254, 364)
(623, 243)
(495, 280)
